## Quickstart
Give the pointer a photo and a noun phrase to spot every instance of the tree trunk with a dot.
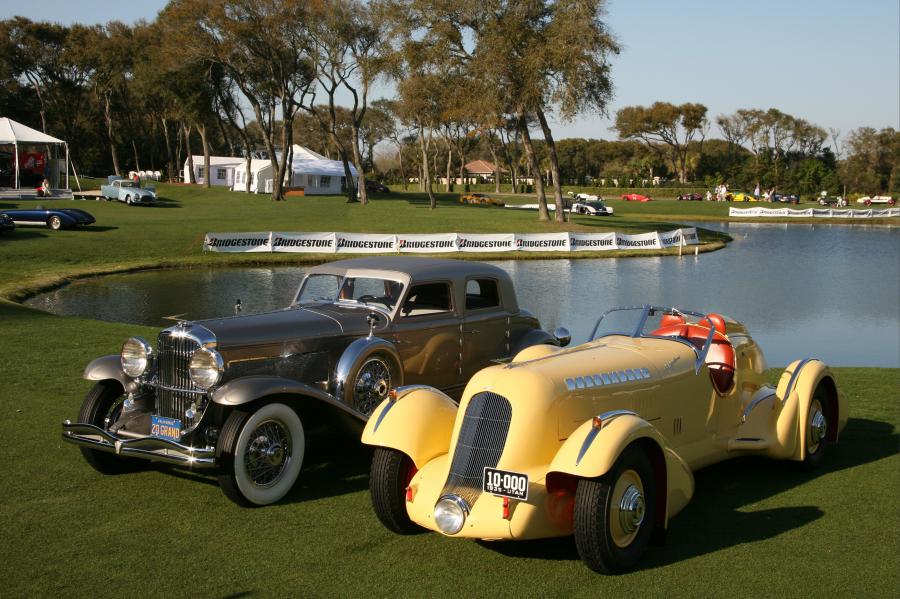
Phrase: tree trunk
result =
(493, 149)
(206, 180)
(402, 172)
(137, 162)
(190, 157)
(360, 171)
(107, 115)
(554, 167)
(169, 154)
(543, 213)
(348, 177)
(449, 187)
(426, 175)
(248, 162)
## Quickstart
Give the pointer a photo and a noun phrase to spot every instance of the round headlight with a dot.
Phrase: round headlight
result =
(136, 355)
(450, 514)
(206, 367)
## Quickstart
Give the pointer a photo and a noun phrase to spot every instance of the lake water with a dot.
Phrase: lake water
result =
(826, 291)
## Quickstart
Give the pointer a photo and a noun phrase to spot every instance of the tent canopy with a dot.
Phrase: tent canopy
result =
(12, 132)
(306, 161)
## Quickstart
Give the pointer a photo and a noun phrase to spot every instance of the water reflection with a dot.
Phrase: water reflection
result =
(830, 291)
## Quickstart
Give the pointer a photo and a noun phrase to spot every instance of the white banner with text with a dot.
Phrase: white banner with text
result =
(441, 243)
(813, 213)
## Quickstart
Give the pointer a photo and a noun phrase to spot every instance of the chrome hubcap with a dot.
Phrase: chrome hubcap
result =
(268, 453)
(372, 385)
(631, 509)
(818, 427)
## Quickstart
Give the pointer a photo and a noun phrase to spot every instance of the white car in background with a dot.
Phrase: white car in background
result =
(869, 200)
(590, 204)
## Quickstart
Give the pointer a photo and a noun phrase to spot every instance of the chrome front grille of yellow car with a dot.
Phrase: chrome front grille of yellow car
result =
(174, 390)
(482, 437)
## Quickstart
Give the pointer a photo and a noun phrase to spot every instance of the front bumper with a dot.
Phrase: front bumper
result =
(148, 448)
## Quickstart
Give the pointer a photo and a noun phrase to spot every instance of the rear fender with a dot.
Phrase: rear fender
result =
(796, 387)
(591, 452)
(418, 423)
(109, 368)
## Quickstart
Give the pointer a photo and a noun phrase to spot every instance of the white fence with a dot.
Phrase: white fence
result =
(437, 243)
(813, 213)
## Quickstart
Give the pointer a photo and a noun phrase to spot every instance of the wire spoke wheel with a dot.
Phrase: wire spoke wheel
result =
(268, 453)
(373, 381)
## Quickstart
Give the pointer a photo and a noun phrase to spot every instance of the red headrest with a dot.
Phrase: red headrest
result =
(717, 321)
(669, 320)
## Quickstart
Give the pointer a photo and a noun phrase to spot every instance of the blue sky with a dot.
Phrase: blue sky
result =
(832, 62)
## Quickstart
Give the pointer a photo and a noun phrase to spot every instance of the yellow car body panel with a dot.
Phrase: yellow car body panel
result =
(553, 396)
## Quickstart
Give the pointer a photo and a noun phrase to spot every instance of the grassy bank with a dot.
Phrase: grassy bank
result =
(754, 528)
(171, 234)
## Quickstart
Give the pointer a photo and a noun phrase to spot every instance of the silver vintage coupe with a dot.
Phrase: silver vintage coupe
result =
(234, 395)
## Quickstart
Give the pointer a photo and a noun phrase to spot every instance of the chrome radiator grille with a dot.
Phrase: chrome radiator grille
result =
(175, 392)
(482, 437)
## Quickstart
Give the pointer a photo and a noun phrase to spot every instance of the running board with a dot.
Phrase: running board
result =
(746, 443)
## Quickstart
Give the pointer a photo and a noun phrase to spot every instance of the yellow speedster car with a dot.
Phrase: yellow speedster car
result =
(599, 440)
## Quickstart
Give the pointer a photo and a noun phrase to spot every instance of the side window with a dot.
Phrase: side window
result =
(482, 293)
(429, 298)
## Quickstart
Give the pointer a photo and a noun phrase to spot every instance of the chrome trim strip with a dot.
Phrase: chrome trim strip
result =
(148, 448)
(794, 376)
(605, 417)
(760, 396)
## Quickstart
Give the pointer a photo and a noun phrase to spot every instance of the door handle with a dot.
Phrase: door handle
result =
(472, 331)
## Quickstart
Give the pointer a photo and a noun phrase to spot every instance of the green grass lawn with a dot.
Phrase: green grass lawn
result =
(755, 528)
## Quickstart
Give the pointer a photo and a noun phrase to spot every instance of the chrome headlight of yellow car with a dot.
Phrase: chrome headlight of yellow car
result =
(206, 367)
(136, 356)
(450, 514)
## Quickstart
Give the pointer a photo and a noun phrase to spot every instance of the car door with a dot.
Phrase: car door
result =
(485, 325)
(426, 332)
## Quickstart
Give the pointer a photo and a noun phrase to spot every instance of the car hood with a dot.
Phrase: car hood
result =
(291, 323)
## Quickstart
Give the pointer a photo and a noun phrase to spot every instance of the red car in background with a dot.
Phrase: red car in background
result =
(636, 197)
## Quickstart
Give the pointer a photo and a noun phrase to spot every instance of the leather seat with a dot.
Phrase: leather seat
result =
(720, 357)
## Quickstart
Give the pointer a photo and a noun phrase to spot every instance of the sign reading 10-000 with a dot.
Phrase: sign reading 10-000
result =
(505, 483)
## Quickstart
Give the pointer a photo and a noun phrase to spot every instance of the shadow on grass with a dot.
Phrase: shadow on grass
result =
(23, 233)
(96, 229)
(714, 519)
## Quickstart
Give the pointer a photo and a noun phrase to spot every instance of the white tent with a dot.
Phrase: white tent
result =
(316, 174)
(18, 134)
(221, 170)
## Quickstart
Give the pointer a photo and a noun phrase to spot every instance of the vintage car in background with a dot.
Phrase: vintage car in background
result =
(128, 191)
(636, 197)
(480, 199)
(376, 186)
(742, 197)
(235, 395)
(590, 204)
(6, 223)
(599, 440)
(827, 200)
(690, 197)
(52, 218)
(785, 198)
(869, 200)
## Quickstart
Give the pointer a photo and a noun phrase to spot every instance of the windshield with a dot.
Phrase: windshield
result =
(124, 183)
(364, 291)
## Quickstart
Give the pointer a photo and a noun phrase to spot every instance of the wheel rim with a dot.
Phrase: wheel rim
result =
(268, 453)
(817, 427)
(372, 385)
(627, 508)
(54, 222)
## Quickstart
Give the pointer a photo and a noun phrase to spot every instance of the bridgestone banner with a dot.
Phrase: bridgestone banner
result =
(303, 242)
(364, 243)
(442, 243)
(426, 243)
(812, 213)
(237, 242)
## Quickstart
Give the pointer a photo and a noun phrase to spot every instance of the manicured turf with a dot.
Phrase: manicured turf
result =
(754, 528)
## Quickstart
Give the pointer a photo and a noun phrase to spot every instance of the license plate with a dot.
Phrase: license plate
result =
(165, 428)
(505, 483)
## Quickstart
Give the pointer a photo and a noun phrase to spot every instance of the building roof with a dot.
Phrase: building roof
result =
(12, 132)
(417, 268)
(479, 167)
(303, 161)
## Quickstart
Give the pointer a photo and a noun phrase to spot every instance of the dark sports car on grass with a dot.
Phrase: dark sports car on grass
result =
(6, 223)
(690, 197)
(52, 218)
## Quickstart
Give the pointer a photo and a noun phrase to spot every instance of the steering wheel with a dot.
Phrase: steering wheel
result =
(366, 298)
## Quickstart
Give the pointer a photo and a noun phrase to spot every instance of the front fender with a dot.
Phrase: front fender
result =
(250, 388)
(109, 368)
(418, 423)
(795, 389)
(354, 355)
(591, 452)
